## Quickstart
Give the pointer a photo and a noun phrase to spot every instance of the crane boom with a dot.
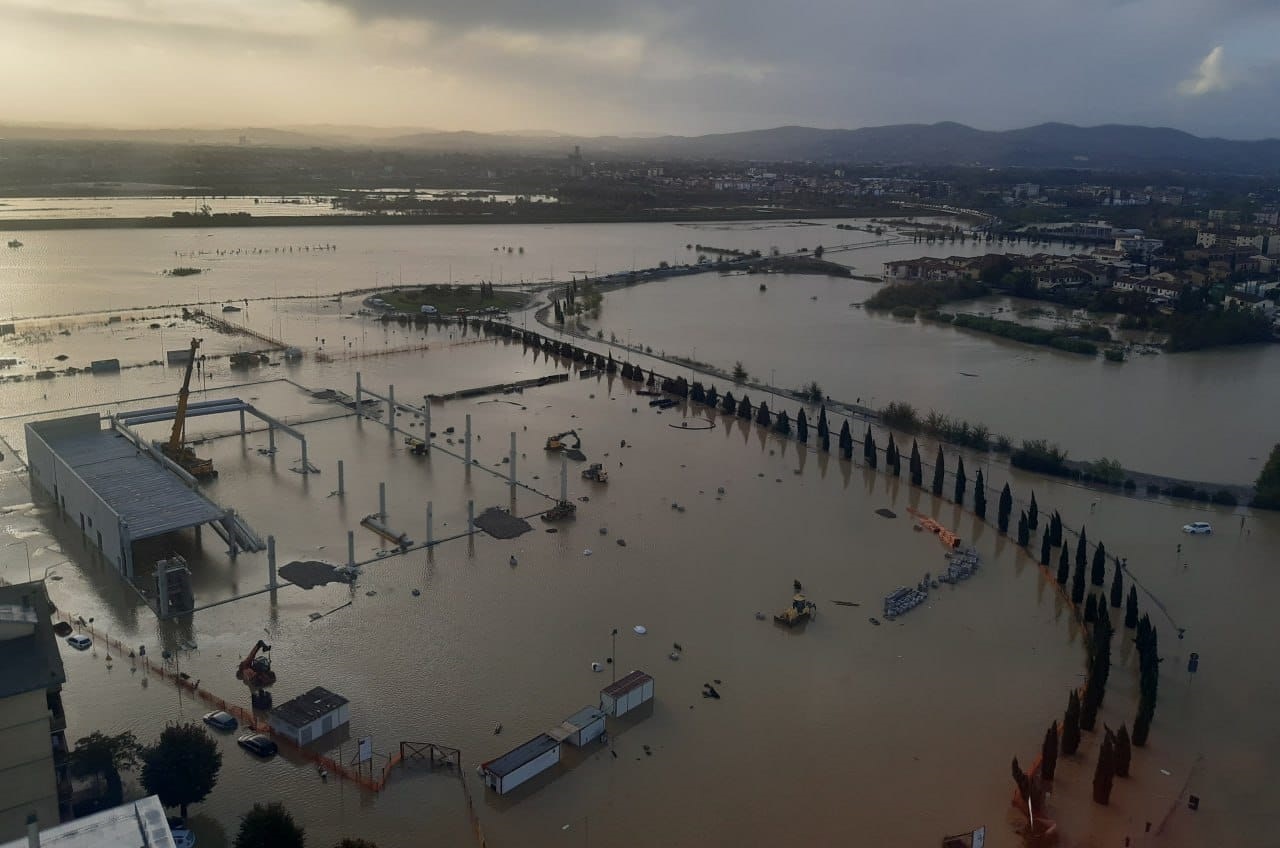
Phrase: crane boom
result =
(180, 417)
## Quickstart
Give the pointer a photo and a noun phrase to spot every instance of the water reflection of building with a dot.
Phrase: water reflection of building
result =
(576, 167)
(33, 744)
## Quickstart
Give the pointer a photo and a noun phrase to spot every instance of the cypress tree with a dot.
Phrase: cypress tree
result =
(1091, 609)
(980, 496)
(917, 472)
(762, 414)
(1064, 567)
(712, 398)
(782, 423)
(825, 441)
(1099, 574)
(1082, 548)
(1117, 587)
(1049, 752)
(1055, 525)
(1024, 531)
(729, 405)
(744, 408)
(892, 459)
(870, 449)
(961, 481)
(939, 473)
(1006, 505)
(1131, 608)
(1104, 774)
(1045, 548)
(846, 441)
(1033, 513)
(1071, 725)
(823, 429)
(1124, 753)
(802, 428)
(1021, 781)
(1142, 722)
(1077, 582)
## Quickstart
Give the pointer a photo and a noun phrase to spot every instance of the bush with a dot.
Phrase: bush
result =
(1152, 490)
(1129, 485)
(903, 311)
(925, 295)
(1224, 498)
(901, 416)
(1044, 457)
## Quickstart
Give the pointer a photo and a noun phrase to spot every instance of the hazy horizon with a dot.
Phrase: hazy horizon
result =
(642, 67)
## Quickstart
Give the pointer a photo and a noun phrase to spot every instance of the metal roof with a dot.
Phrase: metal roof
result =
(147, 496)
(137, 824)
(633, 680)
(308, 707)
(526, 753)
(32, 662)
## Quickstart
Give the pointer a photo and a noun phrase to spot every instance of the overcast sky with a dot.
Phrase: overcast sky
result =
(626, 66)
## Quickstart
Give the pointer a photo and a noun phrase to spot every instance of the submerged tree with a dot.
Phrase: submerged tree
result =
(762, 414)
(1098, 575)
(1064, 567)
(1124, 753)
(961, 481)
(269, 826)
(1091, 609)
(1046, 550)
(1131, 608)
(782, 424)
(869, 450)
(917, 471)
(980, 496)
(1117, 587)
(1071, 725)
(729, 405)
(1055, 526)
(744, 408)
(1006, 505)
(846, 441)
(939, 473)
(802, 428)
(1024, 532)
(182, 767)
(1021, 781)
(1049, 752)
(1033, 513)
(1082, 549)
(823, 428)
(1104, 774)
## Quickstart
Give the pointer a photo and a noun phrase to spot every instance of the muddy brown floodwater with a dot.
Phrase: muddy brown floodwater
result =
(846, 731)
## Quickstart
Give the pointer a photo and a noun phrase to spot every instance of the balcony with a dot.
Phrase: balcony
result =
(57, 716)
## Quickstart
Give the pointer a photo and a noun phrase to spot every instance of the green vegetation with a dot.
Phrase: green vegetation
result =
(1217, 327)
(1006, 505)
(1267, 486)
(917, 471)
(449, 299)
(740, 374)
(925, 295)
(183, 271)
(903, 416)
(1071, 725)
(939, 472)
(980, 496)
(182, 767)
(957, 431)
(269, 826)
(1049, 752)
(1069, 340)
(903, 311)
(1104, 774)
(103, 757)
(1041, 456)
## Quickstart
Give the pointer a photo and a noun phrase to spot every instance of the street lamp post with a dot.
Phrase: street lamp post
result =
(613, 653)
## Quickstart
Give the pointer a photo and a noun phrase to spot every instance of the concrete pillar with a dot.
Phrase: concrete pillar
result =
(351, 548)
(391, 408)
(426, 414)
(341, 480)
(468, 439)
(512, 461)
(382, 502)
(162, 589)
(242, 422)
(564, 479)
(306, 466)
(471, 516)
(359, 393)
(271, 562)
(271, 437)
(228, 521)
(430, 525)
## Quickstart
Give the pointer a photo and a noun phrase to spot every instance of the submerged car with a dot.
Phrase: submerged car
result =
(79, 642)
(258, 744)
(1197, 528)
(182, 835)
(220, 720)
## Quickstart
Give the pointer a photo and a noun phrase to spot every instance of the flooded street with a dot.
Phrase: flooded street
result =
(896, 733)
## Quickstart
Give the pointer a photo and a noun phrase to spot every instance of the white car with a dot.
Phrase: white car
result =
(79, 642)
(1197, 528)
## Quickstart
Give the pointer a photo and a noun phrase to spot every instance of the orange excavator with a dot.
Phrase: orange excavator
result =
(256, 673)
(175, 449)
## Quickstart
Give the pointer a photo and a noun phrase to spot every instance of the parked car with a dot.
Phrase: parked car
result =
(258, 744)
(220, 720)
(182, 835)
(79, 642)
(1197, 528)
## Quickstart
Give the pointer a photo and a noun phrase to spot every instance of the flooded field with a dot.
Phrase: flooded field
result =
(898, 733)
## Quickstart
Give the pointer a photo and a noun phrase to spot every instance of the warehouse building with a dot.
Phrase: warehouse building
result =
(311, 715)
(581, 728)
(521, 764)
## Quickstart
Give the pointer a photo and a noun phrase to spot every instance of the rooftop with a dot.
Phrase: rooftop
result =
(137, 824)
(32, 661)
(147, 496)
(309, 706)
(513, 759)
(626, 684)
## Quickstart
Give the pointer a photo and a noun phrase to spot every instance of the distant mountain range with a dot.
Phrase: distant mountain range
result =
(1053, 145)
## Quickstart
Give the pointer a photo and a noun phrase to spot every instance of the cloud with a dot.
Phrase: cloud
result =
(1208, 78)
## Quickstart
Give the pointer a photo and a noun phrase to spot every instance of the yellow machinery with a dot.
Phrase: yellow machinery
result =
(556, 442)
(174, 448)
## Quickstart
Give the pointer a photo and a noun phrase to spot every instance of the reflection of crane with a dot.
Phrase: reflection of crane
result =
(174, 448)
(555, 443)
(256, 673)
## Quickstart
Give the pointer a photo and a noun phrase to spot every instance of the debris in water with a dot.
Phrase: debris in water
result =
(416, 592)
(886, 513)
(513, 561)
(622, 543)
(759, 616)
(586, 552)
(796, 584)
(604, 531)
(846, 604)
(873, 621)
(640, 629)
(497, 730)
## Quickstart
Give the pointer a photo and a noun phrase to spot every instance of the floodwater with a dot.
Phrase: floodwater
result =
(897, 733)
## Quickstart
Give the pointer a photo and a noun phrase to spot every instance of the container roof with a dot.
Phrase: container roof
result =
(148, 497)
(634, 680)
(31, 662)
(138, 823)
(309, 706)
(513, 759)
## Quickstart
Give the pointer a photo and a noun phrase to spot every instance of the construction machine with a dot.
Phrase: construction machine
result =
(256, 673)
(556, 442)
(596, 473)
(175, 448)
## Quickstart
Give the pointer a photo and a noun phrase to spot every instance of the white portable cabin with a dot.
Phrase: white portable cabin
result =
(582, 728)
(310, 715)
(520, 764)
(628, 693)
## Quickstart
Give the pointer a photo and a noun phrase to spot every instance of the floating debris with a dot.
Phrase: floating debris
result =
(622, 543)
(416, 592)
(846, 604)
(886, 513)
(640, 629)
(586, 552)
(873, 621)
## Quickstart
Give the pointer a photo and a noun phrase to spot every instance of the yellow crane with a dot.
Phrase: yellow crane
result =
(174, 448)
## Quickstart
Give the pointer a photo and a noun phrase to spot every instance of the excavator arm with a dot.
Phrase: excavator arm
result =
(180, 417)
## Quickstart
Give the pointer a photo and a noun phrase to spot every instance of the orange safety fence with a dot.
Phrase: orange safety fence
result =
(951, 540)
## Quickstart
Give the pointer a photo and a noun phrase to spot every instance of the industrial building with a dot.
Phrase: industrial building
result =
(311, 715)
(581, 728)
(521, 764)
(137, 824)
(120, 489)
(33, 741)
(622, 697)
